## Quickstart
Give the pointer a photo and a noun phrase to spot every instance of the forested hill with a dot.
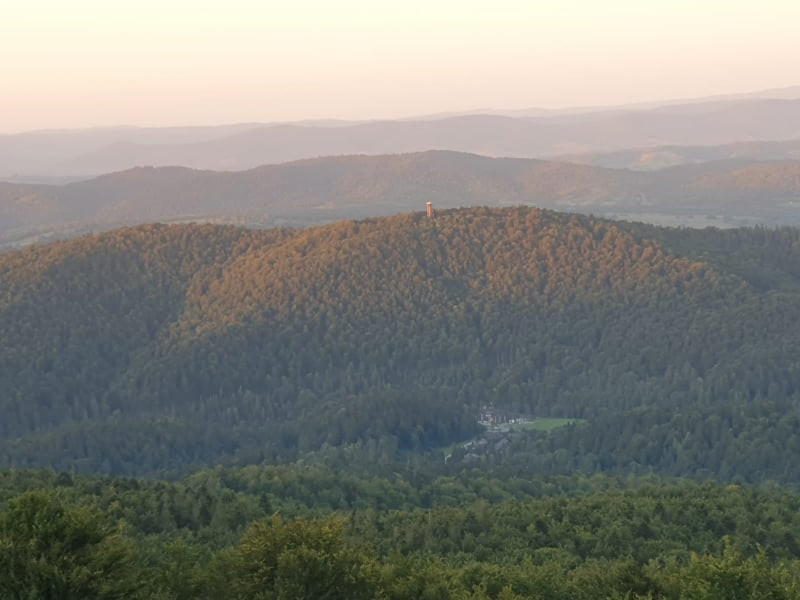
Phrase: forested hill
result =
(323, 190)
(156, 348)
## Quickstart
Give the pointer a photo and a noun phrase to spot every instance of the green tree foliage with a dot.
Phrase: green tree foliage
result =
(731, 576)
(566, 539)
(299, 560)
(161, 349)
(50, 550)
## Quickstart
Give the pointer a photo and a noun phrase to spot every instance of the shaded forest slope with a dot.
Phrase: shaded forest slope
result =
(157, 348)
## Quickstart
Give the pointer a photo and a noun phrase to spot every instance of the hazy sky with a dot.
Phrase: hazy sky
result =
(75, 63)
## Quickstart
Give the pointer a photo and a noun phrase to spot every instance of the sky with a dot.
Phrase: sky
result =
(92, 63)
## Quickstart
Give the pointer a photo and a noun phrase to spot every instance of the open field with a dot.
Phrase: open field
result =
(550, 423)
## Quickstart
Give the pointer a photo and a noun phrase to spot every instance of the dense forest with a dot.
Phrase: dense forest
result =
(305, 405)
(161, 349)
(305, 533)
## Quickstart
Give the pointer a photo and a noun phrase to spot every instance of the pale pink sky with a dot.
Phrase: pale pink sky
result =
(85, 63)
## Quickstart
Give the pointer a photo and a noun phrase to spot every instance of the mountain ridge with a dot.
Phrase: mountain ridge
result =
(325, 189)
(67, 153)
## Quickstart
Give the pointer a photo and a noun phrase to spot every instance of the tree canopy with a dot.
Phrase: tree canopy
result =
(159, 349)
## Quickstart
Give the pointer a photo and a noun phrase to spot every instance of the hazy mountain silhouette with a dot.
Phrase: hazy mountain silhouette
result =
(489, 135)
(526, 134)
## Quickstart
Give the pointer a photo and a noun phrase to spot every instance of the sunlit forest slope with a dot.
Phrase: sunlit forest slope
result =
(158, 348)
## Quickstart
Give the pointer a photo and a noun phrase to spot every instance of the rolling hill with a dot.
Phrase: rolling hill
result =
(326, 189)
(157, 348)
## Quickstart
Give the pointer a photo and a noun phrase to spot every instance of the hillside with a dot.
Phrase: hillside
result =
(659, 157)
(154, 348)
(327, 189)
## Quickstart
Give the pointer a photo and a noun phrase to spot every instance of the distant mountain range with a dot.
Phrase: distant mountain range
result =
(526, 134)
(326, 189)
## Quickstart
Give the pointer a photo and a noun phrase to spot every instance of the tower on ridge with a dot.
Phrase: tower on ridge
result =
(429, 206)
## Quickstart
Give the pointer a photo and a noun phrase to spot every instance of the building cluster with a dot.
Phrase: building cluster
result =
(492, 418)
